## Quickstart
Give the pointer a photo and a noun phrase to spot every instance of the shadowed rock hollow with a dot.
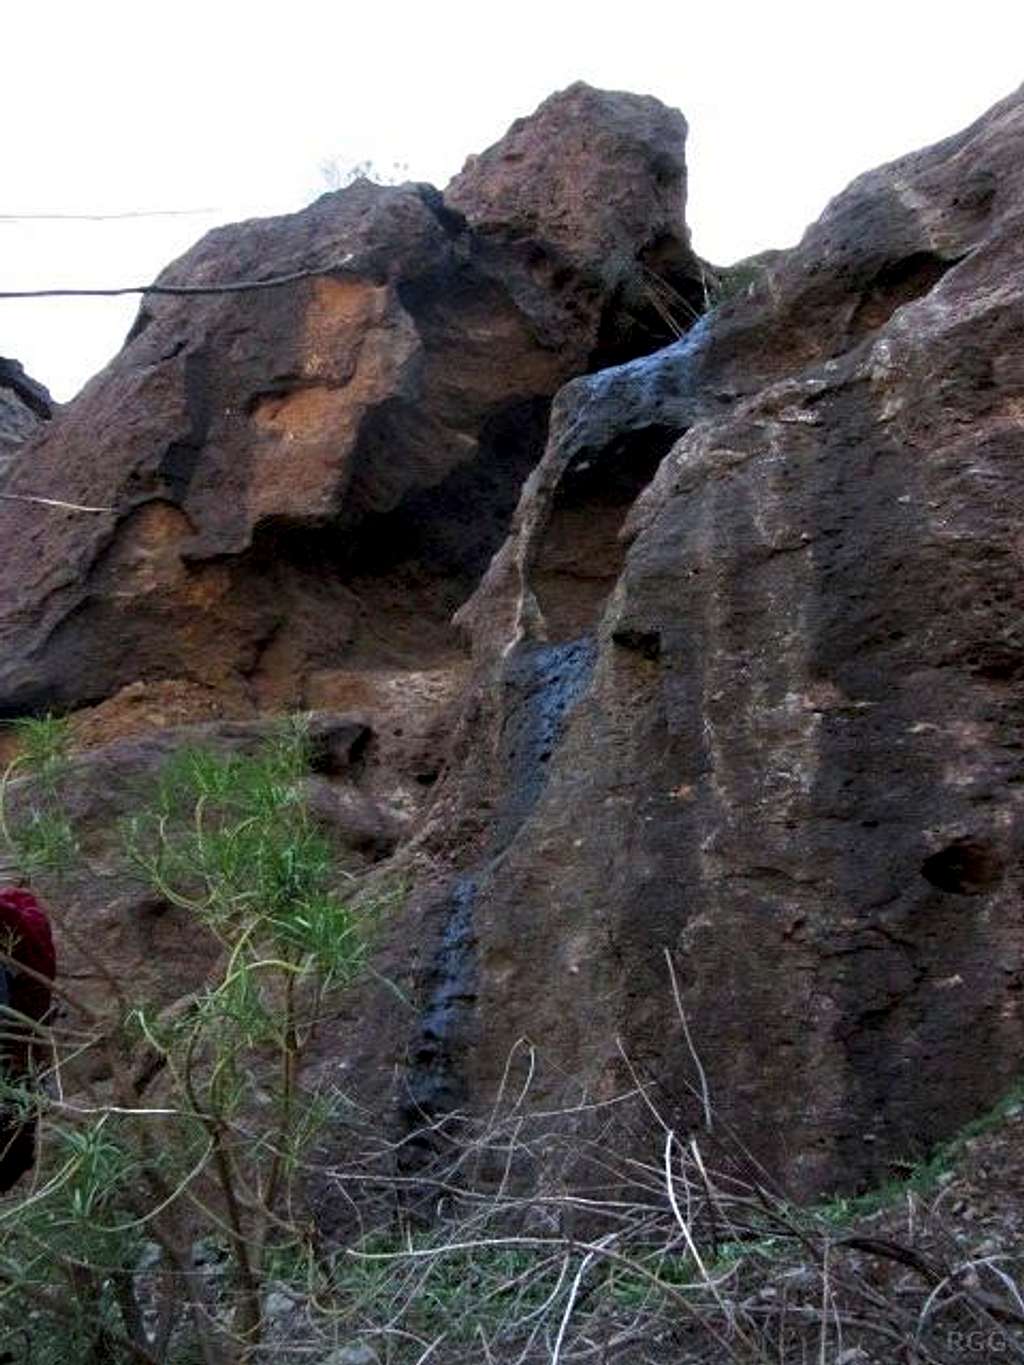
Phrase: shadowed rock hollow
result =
(744, 669)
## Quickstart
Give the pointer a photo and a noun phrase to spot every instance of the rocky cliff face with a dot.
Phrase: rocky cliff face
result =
(790, 758)
(742, 674)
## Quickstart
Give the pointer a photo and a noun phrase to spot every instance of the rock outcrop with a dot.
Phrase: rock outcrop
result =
(313, 476)
(731, 809)
(773, 741)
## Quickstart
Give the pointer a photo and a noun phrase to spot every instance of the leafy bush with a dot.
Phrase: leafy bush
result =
(197, 1138)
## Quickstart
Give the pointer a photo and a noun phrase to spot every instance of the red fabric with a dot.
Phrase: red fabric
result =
(25, 936)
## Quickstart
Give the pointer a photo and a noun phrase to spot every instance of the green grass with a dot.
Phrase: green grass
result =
(43, 742)
(229, 838)
(924, 1176)
(40, 838)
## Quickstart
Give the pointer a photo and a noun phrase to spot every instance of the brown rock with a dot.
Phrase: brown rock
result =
(778, 738)
(411, 714)
(357, 821)
(594, 184)
(141, 708)
(312, 477)
(747, 673)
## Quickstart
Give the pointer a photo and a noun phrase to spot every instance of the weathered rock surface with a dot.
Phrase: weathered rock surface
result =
(313, 476)
(780, 741)
(591, 175)
(24, 406)
(746, 674)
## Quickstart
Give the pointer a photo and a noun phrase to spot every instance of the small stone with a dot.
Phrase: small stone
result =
(278, 1304)
(360, 1354)
(149, 1257)
(206, 1252)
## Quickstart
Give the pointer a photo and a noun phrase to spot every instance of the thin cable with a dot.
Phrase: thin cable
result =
(101, 217)
(239, 287)
(52, 502)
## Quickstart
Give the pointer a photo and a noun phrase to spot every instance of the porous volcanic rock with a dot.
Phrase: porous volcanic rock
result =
(312, 477)
(762, 721)
(24, 406)
(593, 182)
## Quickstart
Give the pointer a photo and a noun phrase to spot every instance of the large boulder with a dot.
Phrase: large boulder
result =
(313, 476)
(749, 678)
(597, 181)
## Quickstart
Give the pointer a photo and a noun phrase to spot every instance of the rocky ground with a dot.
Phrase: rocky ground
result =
(927, 1272)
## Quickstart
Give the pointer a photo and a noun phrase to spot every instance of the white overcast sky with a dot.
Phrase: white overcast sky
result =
(110, 107)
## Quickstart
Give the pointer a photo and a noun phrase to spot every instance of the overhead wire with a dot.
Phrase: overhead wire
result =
(178, 290)
(103, 217)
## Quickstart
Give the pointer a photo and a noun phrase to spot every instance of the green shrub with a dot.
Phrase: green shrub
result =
(197, 1134)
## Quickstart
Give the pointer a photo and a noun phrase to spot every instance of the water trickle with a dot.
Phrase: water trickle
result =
(433, 1084)
(662, 389)
(543, 683)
